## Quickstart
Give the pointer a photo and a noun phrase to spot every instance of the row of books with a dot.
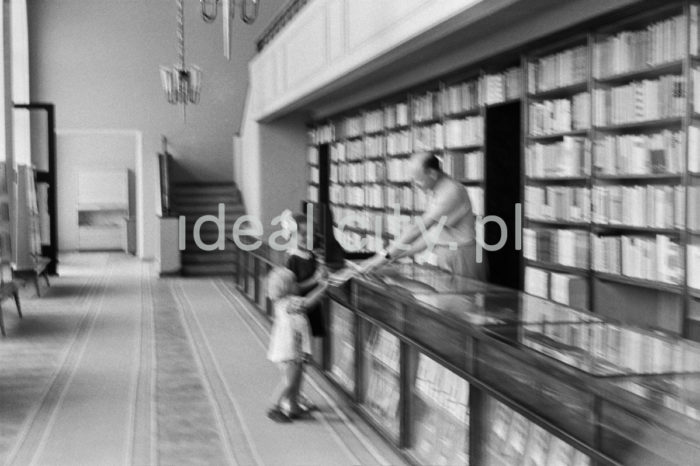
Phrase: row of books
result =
(696, 89)
(561, 69)
(358, 196)
(504, 86)
(641, 154)
(396, 115)
(568, 289)
(693, 264)
(694, 148)
(464, 166)
(464, 132)
(565, 247)
(515, 440)
(312, 155)
(363, 172)
(657, 259)
(322, 134)
(463, 97)
(567, 308)
(398, 142)
(427, 107)
(429, 137)
(398, 170)
(312, 193)
(660, 42)
(374, 146)
(343, 346)
(560, 115)
(626, 349)
(476, 196)
(373, 121)
(348, 151)
(314, 175)
(442, 388)
(382, 396)
(352, 126)
(647, 100)
(438, 441)
(401, 196)
(641, 206)
(558, 203)
(569, 157)
(359, 219)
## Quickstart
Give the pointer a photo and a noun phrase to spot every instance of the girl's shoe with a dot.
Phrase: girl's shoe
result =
(277, 415)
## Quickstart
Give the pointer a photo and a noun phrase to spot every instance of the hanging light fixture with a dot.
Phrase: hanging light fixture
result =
(181, 83)
(249, 13)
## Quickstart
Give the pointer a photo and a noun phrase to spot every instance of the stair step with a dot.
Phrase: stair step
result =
(218, 257)
(207, 270)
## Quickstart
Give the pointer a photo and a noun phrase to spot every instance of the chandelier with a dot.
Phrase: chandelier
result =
(181, 83)
(249, 13)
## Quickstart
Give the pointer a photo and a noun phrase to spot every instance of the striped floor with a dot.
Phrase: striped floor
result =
(116, 366)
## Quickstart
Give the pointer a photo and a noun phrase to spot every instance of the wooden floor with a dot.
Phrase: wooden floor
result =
(113, 365)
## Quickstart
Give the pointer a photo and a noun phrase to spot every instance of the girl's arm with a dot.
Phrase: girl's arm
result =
(315, 296)
(310, 283)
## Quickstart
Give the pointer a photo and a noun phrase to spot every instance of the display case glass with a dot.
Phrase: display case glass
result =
(381, 390)
(510, 438)
(342, 353)
(440, 414)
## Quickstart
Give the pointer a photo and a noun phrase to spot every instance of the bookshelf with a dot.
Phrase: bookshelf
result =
(610, 161)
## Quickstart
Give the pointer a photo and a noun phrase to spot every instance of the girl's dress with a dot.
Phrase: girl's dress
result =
(290, 338)
(303, 264)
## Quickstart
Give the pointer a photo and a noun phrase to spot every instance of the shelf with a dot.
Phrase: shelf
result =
(560, 91)
(695, 293)
(463, 114)
(556, 267)
(694, 174)
(557, 179)
(375, 158)
(401, 155)
(624, 280)
(400, 183)
(505, 102)
(374, 133)
(464, 148)
(433, 404)
(546, 137)
(397, 128)
(558, 223)
(393, 371)
(674, 67)
(694, 232)
(468, 182)
(101, 207)
(430, 121)
(637, 229)
(665, 122)
(641, 177)
(351, 138)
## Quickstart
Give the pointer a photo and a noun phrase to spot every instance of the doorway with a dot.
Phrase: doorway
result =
(503, 190)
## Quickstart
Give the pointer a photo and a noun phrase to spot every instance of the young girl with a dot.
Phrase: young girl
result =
(290, 340)
(302, 261)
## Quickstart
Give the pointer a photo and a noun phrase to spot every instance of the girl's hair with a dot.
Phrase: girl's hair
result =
(280, 283)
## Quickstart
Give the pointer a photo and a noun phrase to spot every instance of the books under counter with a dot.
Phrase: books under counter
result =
(342, 325)
(382, 388)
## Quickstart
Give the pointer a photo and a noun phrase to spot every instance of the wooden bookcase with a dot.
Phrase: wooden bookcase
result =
(611, 194)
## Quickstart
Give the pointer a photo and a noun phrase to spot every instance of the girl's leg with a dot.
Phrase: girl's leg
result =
(285, 388)
(295, 374)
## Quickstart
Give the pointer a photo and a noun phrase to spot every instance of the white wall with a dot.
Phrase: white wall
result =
(89, 150)
(98, 62)
(331, 38)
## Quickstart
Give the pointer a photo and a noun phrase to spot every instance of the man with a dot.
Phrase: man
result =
(448, 222)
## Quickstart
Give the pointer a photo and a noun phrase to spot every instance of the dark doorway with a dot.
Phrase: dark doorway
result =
(503, 191)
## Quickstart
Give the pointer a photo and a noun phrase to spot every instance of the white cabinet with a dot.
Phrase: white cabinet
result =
(103, 204)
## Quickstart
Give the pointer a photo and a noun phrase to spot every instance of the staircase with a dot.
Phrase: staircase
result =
(194, 200)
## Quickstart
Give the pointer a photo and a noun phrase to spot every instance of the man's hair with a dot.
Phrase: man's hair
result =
(430, 161)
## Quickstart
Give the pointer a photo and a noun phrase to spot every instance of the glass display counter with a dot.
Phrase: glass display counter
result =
(454, 371)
